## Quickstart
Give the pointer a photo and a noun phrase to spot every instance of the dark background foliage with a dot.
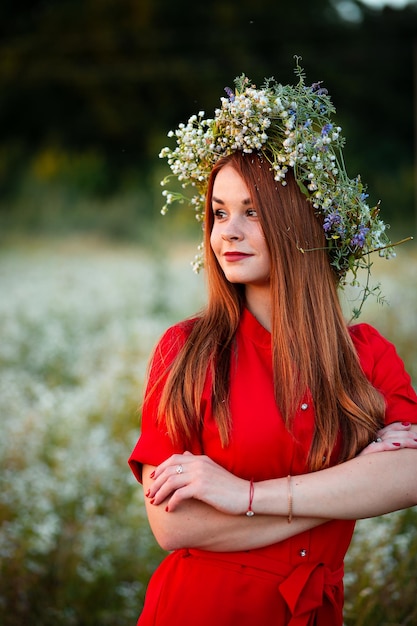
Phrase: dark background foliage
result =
(106, 79)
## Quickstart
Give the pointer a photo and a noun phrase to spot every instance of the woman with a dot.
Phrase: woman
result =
(263, 416)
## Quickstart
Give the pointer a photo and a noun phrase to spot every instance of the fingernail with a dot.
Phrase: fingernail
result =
(395, 443)
(152, 475)
(167, 509)
(153, 499)
(406, 423)
(147, 493)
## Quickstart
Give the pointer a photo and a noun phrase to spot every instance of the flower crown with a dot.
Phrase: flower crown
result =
(292, 127)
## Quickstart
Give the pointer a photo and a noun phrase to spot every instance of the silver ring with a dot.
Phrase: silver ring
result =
(378, 440)
(179, 469)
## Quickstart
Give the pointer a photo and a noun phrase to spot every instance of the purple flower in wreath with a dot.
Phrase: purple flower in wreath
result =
(326, 129)
(333, 221)
(359, 237)
(320, 91)
(230, 94)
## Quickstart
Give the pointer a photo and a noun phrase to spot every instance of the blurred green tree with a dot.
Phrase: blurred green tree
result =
(114, 76)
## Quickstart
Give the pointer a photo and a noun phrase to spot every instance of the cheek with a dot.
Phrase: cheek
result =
(214, 240)
(259, 236)
(263, 246)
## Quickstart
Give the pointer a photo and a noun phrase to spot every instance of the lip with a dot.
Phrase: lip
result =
(236, 256)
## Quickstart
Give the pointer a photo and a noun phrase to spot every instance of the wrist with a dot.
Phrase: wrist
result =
(250, 512)
(289, 498)
(271, 497)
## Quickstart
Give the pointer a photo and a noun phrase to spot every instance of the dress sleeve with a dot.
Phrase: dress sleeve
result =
(154, 444)
(385, 370)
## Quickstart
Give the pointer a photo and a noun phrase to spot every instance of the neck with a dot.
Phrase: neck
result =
(258, 301)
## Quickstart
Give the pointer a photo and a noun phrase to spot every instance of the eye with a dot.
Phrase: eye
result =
(251, 213)
(219, 214)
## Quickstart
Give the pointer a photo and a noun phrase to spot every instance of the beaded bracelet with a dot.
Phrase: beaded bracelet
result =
(250, 512)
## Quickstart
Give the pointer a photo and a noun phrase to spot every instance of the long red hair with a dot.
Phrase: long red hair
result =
(311, 346)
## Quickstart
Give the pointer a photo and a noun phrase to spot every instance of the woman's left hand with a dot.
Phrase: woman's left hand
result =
(393, 437)
(185, 476)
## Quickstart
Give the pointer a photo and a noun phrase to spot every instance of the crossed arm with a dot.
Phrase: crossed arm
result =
(204, 506)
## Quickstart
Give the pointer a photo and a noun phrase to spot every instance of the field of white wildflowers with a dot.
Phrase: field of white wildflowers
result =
(77, 324)
(78, 319)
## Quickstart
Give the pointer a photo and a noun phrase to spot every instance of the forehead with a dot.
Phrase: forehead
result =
(229, 184)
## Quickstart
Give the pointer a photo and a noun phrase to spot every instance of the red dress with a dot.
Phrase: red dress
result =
(297, 582)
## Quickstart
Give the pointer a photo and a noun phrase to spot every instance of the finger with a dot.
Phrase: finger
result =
(179, 495)
(374, 446)
(167, 478)
(389, 444)
(395, 426)
(397, 443)
(174, 475)
(406, 437)
(165, 487)
(175, 460)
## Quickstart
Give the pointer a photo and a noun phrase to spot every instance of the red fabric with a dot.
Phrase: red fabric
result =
(195, 587)
(301, 584)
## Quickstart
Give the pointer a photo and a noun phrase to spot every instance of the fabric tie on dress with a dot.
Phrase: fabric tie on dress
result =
(309, 589)
(303, 591)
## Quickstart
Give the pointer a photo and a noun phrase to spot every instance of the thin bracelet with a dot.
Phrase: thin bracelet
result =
(249, 512)
(289, 499)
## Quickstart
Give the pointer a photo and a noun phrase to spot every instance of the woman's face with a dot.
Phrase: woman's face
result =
(236, 238)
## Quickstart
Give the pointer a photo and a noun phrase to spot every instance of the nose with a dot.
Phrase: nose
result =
(231, 231)
(230, 237)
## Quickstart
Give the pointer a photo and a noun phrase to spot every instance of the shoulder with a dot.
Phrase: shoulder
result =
(365, 334)
(385, 369)
(172, 340)
(166, 350)
(371, 346)
(376, 354)
(178, 333)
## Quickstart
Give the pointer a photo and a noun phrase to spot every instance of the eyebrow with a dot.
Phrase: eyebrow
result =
(245, 202)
